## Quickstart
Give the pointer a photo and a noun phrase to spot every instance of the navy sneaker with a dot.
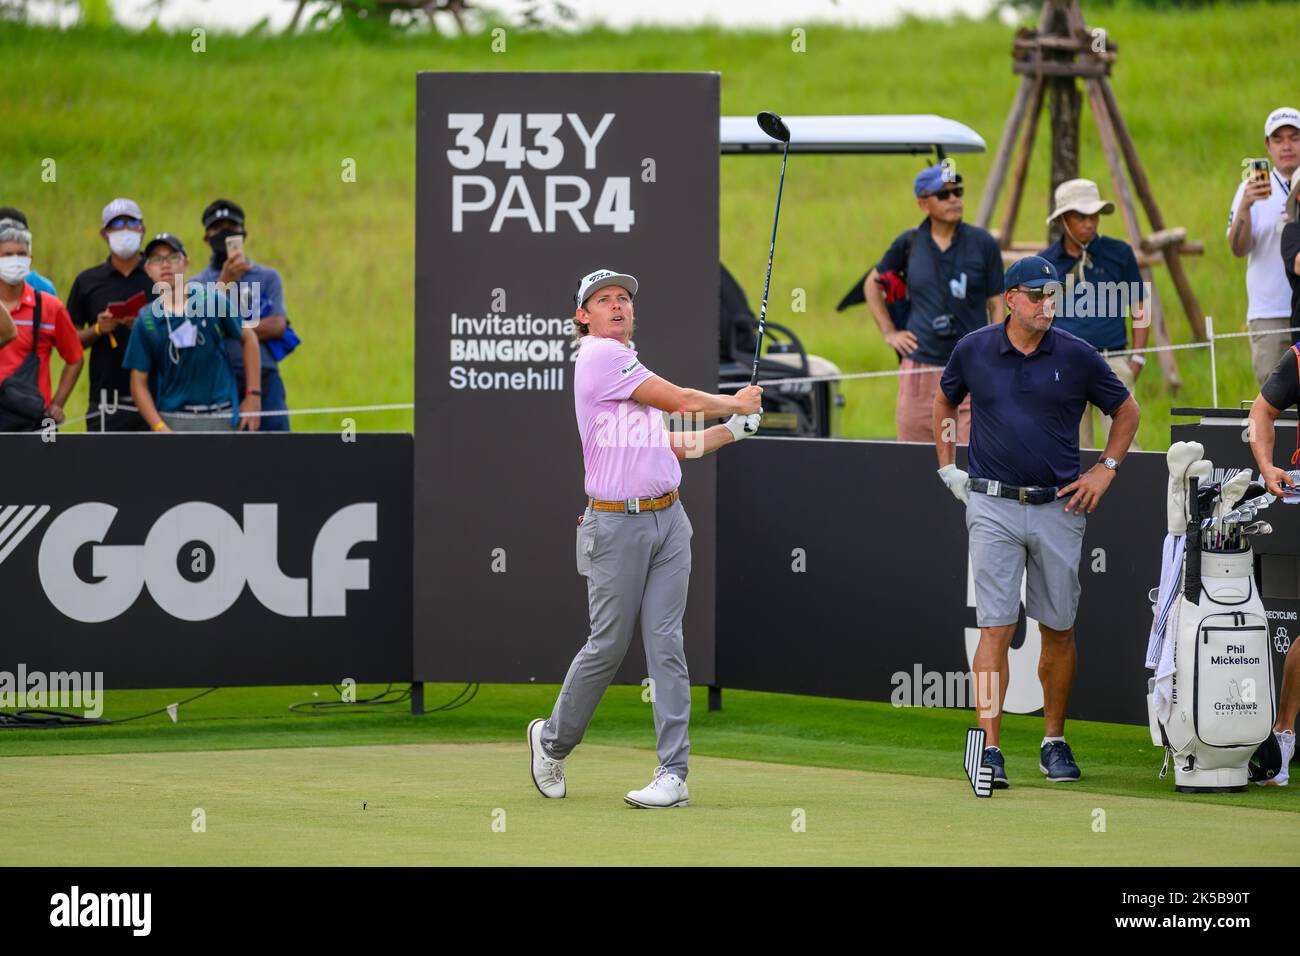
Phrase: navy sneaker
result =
(993, 758)
(1056, 760)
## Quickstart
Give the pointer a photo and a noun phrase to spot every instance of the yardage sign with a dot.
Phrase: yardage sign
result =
(524, 183)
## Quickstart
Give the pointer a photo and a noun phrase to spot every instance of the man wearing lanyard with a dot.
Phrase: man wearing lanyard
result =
(1101, 287)
(634, 539)
(954, 284)
(1254, 230)
(1280, 392)
(1029, 385)
(180, 378)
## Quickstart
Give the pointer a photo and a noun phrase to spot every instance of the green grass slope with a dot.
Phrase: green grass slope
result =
(270, 121)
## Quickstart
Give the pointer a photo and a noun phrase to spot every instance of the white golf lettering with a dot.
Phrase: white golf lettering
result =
(333, 573)
(239, 556)
(589, 140)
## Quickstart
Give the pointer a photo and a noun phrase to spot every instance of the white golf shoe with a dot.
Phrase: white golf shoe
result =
(665, 790)
(548, 773)
(1285, 743)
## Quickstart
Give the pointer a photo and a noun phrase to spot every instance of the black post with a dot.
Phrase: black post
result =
(417, 697)
(715, 698)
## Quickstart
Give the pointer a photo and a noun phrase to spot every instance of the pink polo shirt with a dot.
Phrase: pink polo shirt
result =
(624, 443)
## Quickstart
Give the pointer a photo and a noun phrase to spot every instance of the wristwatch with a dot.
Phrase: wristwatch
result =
(1110, 463)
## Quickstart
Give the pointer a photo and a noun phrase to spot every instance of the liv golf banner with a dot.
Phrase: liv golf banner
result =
(524, 184)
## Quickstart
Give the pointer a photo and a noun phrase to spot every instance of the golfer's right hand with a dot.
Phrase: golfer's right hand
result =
(956, 480)
(749, 400)
(742, 426)
(902, 341)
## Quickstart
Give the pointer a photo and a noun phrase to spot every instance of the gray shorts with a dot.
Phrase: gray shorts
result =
(1006, 540)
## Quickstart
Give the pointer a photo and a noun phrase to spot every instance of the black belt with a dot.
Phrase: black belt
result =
(1032, 495)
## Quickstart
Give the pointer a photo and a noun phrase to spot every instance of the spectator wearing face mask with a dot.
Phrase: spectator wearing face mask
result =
(42, 325)
(114, 280)
(34, 279)
(261, 300)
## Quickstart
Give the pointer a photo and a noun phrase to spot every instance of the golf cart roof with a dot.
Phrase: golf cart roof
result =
(854, 134)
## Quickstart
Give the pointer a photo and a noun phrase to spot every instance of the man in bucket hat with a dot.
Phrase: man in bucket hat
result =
(1101, 288)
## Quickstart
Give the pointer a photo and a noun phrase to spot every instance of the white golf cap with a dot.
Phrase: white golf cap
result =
(601, 278)
(121, 207)
(1081, 196)
(1282, 116)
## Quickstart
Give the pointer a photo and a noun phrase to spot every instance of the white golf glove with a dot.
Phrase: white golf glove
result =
(956, 480)
(742, 426)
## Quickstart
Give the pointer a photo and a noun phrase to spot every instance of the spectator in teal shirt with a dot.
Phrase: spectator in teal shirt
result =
(180, 376)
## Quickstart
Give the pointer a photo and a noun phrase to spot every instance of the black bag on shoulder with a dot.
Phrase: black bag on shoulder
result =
(22, 406)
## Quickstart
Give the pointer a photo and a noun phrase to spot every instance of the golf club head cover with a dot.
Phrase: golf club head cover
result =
(1180, 457)
(1233, 490)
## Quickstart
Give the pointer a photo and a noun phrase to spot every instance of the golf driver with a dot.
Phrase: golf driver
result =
(775, 127)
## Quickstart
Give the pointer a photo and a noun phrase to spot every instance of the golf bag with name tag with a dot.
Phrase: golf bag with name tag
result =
(1219, 707)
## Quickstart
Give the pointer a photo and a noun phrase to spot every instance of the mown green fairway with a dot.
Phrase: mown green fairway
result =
(467, 804)
(878, 785)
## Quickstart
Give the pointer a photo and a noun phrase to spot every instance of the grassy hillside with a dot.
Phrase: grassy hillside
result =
(268, 121)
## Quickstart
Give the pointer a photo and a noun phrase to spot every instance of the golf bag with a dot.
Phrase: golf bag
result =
(1211, 702)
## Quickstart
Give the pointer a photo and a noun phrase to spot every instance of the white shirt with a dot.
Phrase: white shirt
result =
(1267, 290)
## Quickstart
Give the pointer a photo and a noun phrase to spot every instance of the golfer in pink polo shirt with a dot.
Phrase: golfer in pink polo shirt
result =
(634, 539)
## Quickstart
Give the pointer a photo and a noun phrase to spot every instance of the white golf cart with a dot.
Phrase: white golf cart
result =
(811, 409)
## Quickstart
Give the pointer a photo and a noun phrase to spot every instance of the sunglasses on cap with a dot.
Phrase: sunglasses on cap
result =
(124, 222)
(943, 194)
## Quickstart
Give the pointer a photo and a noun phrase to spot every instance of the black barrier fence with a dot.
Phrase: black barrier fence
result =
(843, 572)
(202, 560)
(199, 560)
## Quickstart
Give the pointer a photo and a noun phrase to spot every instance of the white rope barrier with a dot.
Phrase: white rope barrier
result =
(890, 373)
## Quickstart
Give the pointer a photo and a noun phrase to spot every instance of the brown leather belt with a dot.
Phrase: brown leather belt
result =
(636, 505)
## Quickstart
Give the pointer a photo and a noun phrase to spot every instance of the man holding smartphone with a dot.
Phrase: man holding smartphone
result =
(954, 282)
(261, 299)
(1254, 230)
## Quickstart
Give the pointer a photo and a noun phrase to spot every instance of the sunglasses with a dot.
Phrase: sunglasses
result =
(124, 222)
(1034, 295)
(943, 194)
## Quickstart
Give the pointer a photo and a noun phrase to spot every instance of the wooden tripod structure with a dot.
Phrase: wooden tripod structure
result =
(1049, 60)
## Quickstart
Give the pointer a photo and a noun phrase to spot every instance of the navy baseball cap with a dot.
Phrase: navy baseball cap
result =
(220, 209)
(165, 239)
(934, 178)
(1031, 272)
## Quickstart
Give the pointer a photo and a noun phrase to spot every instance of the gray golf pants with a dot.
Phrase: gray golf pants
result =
(636, 566)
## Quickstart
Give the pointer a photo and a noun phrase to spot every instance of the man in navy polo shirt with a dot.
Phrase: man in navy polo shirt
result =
(954, 285)
(1030, 384)
(1102, 286)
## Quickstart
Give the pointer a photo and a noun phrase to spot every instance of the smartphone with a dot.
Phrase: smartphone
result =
(235, 244)
(1259, 169)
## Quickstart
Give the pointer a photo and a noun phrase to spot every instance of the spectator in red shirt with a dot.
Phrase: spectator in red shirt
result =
(20, 372)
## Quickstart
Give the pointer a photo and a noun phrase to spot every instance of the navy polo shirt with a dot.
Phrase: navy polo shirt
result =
(957, 281)
(1096, 309)
(1025, 409)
